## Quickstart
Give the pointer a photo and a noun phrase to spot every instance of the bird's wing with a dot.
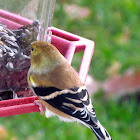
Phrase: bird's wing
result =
(74, 102)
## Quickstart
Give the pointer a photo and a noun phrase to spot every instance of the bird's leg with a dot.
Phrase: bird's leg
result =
(41, 106)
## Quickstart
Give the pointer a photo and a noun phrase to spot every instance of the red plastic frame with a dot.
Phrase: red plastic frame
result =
(66, 42)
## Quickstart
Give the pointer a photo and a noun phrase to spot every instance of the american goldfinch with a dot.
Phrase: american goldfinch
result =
(60, 89)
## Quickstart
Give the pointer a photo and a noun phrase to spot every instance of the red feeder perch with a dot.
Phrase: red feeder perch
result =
(67, 43)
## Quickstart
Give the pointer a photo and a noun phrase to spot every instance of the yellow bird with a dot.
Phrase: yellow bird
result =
(60, 89)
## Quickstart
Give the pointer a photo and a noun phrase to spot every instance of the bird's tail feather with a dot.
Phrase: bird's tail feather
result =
(100, 132)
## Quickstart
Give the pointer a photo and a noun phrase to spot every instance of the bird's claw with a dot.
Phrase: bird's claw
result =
(41, 106)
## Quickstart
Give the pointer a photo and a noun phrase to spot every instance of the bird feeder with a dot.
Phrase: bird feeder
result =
(15, 75)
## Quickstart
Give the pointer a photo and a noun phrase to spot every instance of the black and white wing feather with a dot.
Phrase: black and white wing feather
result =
(76, 103)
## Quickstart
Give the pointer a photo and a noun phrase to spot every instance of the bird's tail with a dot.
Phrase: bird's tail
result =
(100, 132)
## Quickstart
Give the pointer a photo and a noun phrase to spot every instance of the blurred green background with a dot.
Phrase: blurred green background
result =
(114, 26)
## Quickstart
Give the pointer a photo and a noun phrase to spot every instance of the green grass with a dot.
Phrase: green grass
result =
(114, 26)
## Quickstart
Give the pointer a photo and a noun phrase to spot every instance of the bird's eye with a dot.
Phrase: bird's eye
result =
(32, 49)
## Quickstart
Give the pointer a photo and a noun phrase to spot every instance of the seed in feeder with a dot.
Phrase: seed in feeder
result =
(1, 53)
(10, 32)
(7, 37)
(1, 28)
(25, 63)
(24, 81)
(17, 85)
(1, 43)
(9, 50)
(3, 72)
(10, 54)
(2, 48)
(14, 55)
(10, 66)
(36, 30)
(22, 36)
(2, 83)
(14, 50)
(35, 23)
(9, 84)
(2, 33)
(27, 32)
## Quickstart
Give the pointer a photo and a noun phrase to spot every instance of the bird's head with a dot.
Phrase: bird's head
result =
(44, 55)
